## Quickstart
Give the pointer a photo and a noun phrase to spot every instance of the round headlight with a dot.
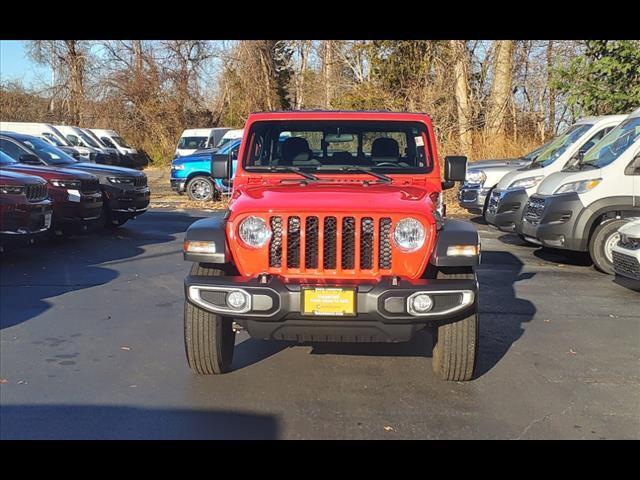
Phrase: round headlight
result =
(409, 234)
(254, 232)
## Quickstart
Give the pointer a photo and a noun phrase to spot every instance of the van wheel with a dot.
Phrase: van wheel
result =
(209, 339)
(200, 189)
(601, 244)
(455, 347)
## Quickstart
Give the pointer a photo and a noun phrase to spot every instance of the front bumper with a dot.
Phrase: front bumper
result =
(78, 217)
(552, 223)
(626, 262)
(382, 313)
(505, 208)
(26, 223)
(128, 203)
(178, 184)
(473, 198)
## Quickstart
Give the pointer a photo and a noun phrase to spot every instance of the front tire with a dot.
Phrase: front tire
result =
(201, 189)
(209, 339)
(455, 347)
(604, 237)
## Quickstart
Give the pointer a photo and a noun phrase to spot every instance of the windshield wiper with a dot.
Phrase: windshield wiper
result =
(284, 168)
(379, 176)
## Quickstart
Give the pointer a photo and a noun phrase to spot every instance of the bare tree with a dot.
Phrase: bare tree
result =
(500, 89)
(461, 72)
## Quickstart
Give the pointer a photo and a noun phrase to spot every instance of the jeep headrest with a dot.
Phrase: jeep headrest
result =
(295, 149)
(385, 147)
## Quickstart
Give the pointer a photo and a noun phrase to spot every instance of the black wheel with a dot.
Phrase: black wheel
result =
(455, 348)
(201, 189)
(601, 244)
(209, 339)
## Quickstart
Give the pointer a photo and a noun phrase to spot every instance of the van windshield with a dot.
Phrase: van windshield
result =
(120, 141)
(560, 145)
(53, 139)
(612, 145)
(339, 146)
(88, 140)
(186, 143)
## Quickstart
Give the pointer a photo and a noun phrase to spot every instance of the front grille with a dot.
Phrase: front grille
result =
(315, 243)
(90, 186)
(533, 210)
(494, 200)
(36, 192)
(626, 265)
(140, 181)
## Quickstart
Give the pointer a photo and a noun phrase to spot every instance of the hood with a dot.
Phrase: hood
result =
(103, 170)
(199, 156)
(631, 229)
(15, 178)
(498, 163)
(519, 174)
(332, 197)
(52, 172)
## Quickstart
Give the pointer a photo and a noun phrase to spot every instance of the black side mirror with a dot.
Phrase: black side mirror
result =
(221, 166)
(29, 159)
(455, 169)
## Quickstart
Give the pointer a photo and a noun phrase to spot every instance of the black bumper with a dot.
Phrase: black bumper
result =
(555, 225)
(178, 185)
(128, 203)
(505, 209)
(78, 217)
(26, 224)
(382, 314)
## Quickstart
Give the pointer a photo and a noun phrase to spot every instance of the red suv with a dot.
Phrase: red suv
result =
(335, 232)
(76, 196)
(25, 209)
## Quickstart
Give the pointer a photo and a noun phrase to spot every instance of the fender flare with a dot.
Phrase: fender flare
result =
(455, 232)
(623, 205)
(210, 229)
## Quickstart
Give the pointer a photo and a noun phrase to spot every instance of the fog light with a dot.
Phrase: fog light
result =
(236, 300)
(420, 303)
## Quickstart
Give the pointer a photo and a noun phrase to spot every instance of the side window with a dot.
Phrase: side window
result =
(11, 149)
(107, 141)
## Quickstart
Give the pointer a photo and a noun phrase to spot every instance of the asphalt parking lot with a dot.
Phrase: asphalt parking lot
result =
(91, 346)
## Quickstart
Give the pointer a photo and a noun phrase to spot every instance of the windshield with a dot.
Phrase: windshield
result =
(107, 141)
(560, 145)
(6, 159)
(316, 146)
(95, 138)
(534, 154)
(88, 140)
(191, 143)
(613, 145)
(53, 139)
(120, 141)
(48, 153)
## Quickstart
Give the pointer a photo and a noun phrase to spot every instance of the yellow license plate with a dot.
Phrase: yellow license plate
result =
(329, 301)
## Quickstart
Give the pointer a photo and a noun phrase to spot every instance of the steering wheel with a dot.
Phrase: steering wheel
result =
(386, 164)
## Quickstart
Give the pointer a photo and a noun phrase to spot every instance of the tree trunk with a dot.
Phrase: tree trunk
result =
(552, 91)
(76, 78)
(500, 90)
(327, 72)
(461, 72)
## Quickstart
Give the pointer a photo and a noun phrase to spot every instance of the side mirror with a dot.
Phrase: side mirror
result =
(220, 166)
(455, 169)
(29, 159)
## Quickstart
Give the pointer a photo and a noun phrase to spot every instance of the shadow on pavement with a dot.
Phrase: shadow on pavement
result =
(30, 276)
(564, 257)
(50, 422)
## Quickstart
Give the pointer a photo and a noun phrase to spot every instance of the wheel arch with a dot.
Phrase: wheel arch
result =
(601, 211)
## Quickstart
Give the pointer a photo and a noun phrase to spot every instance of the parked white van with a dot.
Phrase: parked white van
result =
(193, 139)
(78, 138)
(508, 199)
(52, 135)
(582, 207)
(111, 139)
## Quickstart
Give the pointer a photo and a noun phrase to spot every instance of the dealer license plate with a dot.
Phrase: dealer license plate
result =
(329, 301)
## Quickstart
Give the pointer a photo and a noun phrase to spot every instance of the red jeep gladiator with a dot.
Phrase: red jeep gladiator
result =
(335, 233)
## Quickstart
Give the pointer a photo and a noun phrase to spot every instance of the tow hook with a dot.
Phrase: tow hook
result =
(237, 327)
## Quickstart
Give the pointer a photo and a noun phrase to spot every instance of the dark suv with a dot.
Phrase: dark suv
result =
(125, 191)
(25, 208)
(76, 196)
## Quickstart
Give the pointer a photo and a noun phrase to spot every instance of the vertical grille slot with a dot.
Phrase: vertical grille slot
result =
(293, 242)
(384, 252)
(275, 248)
(366, 243)
(329, 247)
(311, 242)
(348, 243)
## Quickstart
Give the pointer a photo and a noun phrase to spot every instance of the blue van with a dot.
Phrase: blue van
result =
(192, 173)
